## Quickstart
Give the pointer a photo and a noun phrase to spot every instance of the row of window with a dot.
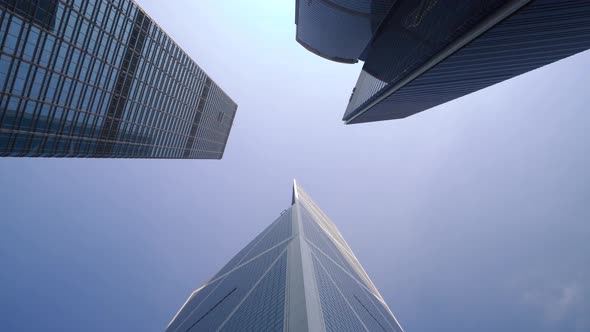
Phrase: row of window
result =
(109, 78)
(76, 71)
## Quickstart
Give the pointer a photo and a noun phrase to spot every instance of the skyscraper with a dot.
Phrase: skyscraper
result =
(297, 275)
(420, 54)
(100, 79)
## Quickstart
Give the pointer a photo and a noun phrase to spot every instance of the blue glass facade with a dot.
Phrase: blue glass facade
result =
(298, 267)
(425, 53)
(337, 314)
(248, 294)
(349, 300)
(99, 78)
(264, 308)
(338, 30)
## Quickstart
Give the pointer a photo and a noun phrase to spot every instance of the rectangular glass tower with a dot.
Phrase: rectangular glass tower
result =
(297, 275)
(100, 79)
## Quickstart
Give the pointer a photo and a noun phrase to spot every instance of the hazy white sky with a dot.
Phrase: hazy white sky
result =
(472, 216)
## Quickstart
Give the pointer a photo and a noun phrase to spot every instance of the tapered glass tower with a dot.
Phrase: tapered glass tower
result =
(99, 78)
(297, 275)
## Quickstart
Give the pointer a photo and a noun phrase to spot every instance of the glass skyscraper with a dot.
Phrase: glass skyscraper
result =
(420, 54)
(297, 275)
(97, 78)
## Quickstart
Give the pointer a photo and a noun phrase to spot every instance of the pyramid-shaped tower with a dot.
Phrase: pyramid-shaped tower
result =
(299, 274)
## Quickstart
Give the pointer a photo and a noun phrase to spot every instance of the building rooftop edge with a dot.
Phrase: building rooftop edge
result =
(504, 12)
(134, 2)
(325, 56)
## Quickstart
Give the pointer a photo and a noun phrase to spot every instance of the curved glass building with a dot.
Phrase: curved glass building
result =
(421, 53)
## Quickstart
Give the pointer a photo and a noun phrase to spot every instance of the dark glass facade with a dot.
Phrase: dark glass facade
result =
(248, 294)
(338, 30)
(92, 78)
(425, 53)
(299, 264)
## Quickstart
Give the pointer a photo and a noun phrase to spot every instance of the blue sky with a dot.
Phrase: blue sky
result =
(472, 216)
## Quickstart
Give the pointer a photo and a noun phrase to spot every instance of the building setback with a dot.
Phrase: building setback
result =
(297, 275)
(420, 54)
(100, 79)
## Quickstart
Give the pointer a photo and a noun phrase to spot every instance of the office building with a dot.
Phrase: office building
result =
(299, 275)
(101, 79)
(420, 54)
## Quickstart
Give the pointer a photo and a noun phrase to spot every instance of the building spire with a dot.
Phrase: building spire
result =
(294, 195)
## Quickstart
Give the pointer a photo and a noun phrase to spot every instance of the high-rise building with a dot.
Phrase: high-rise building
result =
(99, 78)
(420, 54)
(297, 275)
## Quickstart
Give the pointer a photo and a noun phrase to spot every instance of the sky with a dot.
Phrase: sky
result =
(472, 216)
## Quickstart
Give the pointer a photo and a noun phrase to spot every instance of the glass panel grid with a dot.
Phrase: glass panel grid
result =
(100, 79)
